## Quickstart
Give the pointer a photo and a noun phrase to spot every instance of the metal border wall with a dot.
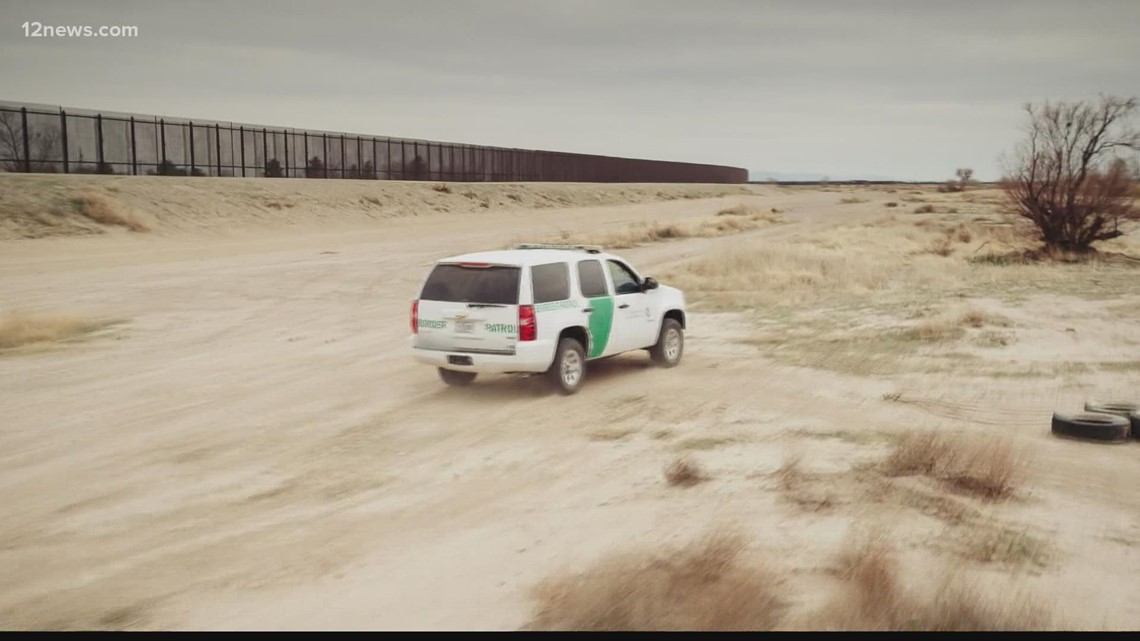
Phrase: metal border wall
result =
(48, 139)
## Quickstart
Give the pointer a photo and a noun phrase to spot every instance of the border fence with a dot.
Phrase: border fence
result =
(48, 139)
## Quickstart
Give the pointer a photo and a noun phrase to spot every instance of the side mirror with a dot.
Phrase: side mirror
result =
(648, 284)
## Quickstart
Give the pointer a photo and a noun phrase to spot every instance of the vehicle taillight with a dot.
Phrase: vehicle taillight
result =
(528, 323)
(415, 316)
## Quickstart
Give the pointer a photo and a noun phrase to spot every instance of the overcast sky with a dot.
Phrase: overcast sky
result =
(908, 89)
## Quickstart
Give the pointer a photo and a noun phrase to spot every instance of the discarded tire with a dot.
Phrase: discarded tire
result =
(1135, 419)
(1092, 426)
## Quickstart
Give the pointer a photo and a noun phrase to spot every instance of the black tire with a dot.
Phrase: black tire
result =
(455, 378)
(1134, 418)
(1092, 426)
(670, 344)
(568, 357)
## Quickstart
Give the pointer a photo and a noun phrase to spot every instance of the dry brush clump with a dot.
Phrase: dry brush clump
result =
(18, 329)
(987, 467)
(653, 232)
(105, 211)
(873, 596)
(706, 586)
(684, 472)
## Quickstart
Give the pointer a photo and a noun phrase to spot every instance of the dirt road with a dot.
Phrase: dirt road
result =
(253, 447)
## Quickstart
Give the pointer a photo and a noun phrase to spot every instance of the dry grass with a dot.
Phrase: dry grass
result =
(706, 442)
(441, 188)
(105, 211)
(684, 472)
(799, 488)
(941, 246)
(947, 328)
(933, 331)
(18, 329)
(1008, 546)
(738, 210)
(924, 209)
(872, 596)
(852, 201)
(729, 221)
(611, 433)
(790, 475)
(278, 204)
(987, 467)
(892, 204)
(703, 587)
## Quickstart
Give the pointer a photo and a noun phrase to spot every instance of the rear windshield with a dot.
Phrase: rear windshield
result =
(462, 284)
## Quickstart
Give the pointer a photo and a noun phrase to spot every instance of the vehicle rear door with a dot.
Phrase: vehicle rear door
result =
(469, 307)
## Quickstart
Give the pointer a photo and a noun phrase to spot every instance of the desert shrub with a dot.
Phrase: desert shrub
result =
(104, 211)
(988, 467)
(684, 471)
(705, 586)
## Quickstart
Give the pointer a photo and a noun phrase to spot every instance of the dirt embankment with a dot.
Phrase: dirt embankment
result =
(38, 205)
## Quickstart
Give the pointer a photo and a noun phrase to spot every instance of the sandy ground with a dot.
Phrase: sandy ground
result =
(253, 447)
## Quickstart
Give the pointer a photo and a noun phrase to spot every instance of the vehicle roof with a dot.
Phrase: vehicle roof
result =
(526, 257)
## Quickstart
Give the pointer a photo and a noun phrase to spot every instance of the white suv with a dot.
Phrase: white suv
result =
(541, 309)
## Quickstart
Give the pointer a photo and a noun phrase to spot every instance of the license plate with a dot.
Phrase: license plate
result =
(464, 327)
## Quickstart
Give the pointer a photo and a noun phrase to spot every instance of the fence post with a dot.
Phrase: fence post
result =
(306, 142)
(99, 140)
(218, 146)
(63, 139)
(134, 150)
(375, 161)
(191, 126)
(27, 145)
(265, 149)
(285, 133)
(241, 138)
(325, 154)
(162, 139)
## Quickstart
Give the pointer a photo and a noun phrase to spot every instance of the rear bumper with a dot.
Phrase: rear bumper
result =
(532, 356)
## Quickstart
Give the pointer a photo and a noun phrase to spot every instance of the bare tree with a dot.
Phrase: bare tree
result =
(965, 174)
(11, 141)
(1066, 176)
(43, 145)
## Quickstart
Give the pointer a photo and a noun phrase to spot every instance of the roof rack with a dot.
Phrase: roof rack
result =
(591, 249)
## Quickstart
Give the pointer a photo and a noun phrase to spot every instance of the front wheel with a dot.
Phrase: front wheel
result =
(569, 367)
(456, 379)
(670, 344)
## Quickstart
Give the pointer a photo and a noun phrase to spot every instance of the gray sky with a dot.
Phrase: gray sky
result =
(908, 89)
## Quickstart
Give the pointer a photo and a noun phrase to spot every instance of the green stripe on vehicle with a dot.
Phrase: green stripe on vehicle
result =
(601, 320)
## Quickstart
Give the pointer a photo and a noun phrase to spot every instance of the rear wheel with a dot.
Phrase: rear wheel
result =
(456, 379)
(670, 344)
(569, 367)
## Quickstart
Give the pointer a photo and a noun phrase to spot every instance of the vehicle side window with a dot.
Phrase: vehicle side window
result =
(591, 279)
(624, 280)
(550, 282)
